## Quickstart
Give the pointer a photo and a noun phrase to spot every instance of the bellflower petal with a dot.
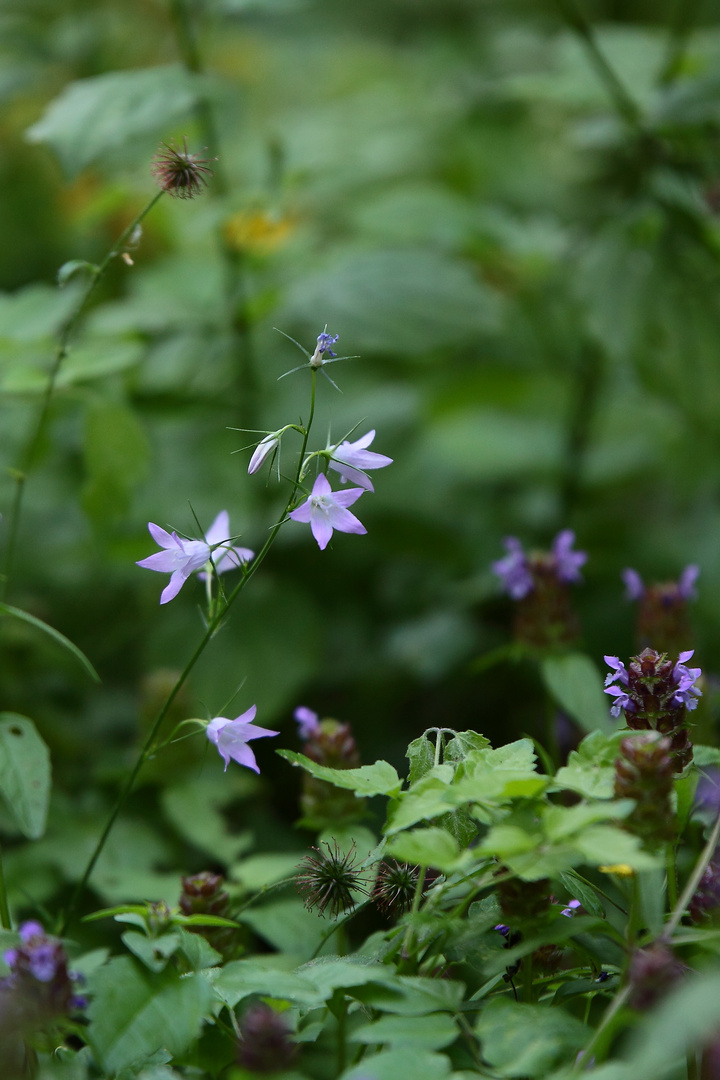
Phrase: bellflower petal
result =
(325, 510)
(224, 556)
(232, 736)
(179, 557)
(352, 460)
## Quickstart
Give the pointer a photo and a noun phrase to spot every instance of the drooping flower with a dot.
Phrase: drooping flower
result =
(180, 173)
(232, 737)
(224, 556)
(308, 722)
(325, 510)
(179, 557)
(264, 449)
(353, 459)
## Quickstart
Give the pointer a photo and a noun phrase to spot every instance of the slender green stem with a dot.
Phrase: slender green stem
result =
(4, 909)
(604, 1028)
(685, 17)
(417, 897)
(693, 881)
(213, 625)
(617, 92)
(438, 746)
(27, 458)
(692, 1065)
(527, 974)
(671, 871)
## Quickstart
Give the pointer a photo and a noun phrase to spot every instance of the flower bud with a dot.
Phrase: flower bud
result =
(331, 743)
(264, 449)
(203, 894)
(653, 972)
(662, 613)
(265, 1045)
(644, 772)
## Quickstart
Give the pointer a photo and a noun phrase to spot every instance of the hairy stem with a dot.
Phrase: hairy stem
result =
(27, 458)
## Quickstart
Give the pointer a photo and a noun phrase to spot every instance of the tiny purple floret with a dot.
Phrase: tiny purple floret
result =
(687, 692)
(232, 737)
(324, 342)
(634, 587)
(325, 510)
(686, 582)
(308, 722)
(567, 561)
(619, 672)
(513, 570)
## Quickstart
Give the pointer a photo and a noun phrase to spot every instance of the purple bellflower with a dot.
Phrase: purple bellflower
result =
(353, 459)
(308, 722)
(232, 737)
(180, 558)
(325, 510)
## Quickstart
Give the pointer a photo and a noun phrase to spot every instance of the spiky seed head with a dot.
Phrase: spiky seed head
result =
(329, 880)
(179, 172)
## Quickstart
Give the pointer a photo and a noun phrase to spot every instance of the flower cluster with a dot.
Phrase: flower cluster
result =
(662, 613)
(538, 582)
(654, 694)
(39, 989)
(180, 557)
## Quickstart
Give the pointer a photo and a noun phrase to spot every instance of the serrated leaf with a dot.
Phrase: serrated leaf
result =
(24, 774)
(431, 1032)
(378, 779)
(426, 847)
(462, 743)
(401, 1062)
(24, 616)
(590, 770)
(154, 953)
(421, 755)
(93, 117)
(576, 685)
(135, 1012)
(528, 1040)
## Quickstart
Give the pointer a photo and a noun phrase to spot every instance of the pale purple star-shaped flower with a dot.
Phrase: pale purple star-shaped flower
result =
(570, 910)
(325, 510)
(687, 692)
(232, 737)
(308, 722)
(353, 459)
(634, 587)
(513, 570)
(179, 557)
(567, 562)
(224, 556)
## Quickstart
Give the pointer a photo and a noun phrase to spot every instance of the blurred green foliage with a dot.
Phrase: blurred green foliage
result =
(509, 211)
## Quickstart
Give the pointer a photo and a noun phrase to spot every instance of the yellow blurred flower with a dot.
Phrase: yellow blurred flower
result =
(258, 232)
(621, 869)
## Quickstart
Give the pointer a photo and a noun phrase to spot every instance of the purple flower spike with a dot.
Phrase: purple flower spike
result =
(567, 562)
(352, 460)
(224, 556)
(634, 588)
(325, 511)
(308, 722)
(513, 570)
(232, 737)
(686, 583)
(179, 557)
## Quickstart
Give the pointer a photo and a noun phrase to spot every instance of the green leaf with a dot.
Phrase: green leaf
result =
(412, 995)
(24, 774)
(134, 1012)
(561, 822)
(576, 684)
(462, 743)
(605, 844)
(421, 755)
(17, 613)
(427, 799)
(241, 978)
(194, 808)
(583, 891)
(73, 267)
(287, 925)
(405, 1063)
(378, 779)
(528, 1040)
(105, 113)
(117, 457)
(154, 953)
(330, 973)
(426, 847)
(424, 1032)
(590, 770)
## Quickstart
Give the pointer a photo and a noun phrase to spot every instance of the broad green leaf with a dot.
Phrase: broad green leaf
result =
(560, 822)
(606, 845)
(287, 925)
(259, 871)
(154, 953)
(103, 114)
(117, 457)
(427, 799)
(134, 1012)
(24, 616)
(35, 313)
(426, 847)
(688, 1016)
(330, 973)
(576, 685)
(528, 1040)
(583, 891)
(590, 770)
(242, 978)
(378, 779)
(421, 755)
(405, 1063)
(194, 808)
(430, 1032)
(461, 744)
(24, 774)
(406, 995)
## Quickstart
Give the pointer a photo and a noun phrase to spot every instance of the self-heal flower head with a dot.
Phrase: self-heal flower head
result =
(514, 570)
(325, 510)
(352, 460)
(223, 555)
(232, 737)
(308, 722)
(179, 557)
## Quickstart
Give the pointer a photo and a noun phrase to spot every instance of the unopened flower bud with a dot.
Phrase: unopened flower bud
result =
(653, 972)
(203, 894)
(265, 1045)
(264, 449)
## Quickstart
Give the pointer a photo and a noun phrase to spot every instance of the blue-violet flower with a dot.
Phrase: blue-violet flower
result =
(353, 459)
(325, 510)
(308, 722)
(232, 737)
